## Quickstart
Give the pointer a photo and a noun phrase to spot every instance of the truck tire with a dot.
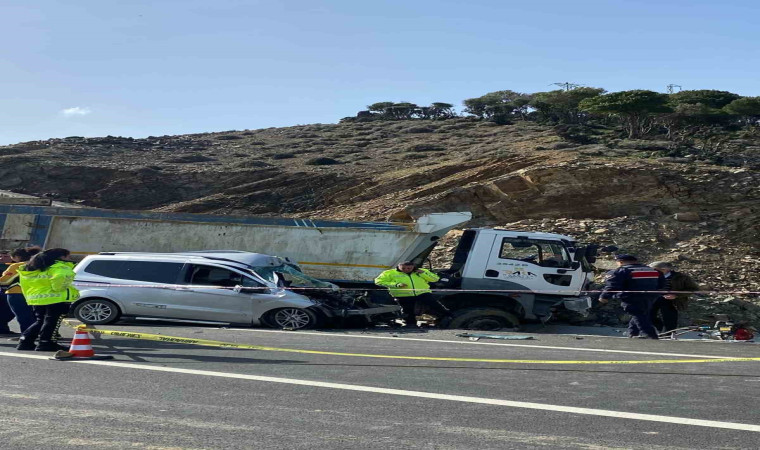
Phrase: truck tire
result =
(481, 319)
(96, 311)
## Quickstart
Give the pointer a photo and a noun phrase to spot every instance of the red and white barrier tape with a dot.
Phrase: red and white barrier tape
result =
(514, 291)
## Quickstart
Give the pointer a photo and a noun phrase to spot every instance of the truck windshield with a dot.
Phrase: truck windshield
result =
(291, 276)
(542, 252)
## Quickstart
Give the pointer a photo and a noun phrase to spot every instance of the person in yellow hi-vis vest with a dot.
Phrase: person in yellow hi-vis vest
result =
(16, 305)
(47, 282)
(410, 287)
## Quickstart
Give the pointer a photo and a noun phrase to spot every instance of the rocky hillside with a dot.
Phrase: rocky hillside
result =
(523, 176)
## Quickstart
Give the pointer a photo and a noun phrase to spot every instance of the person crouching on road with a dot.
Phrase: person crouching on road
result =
(410, 287)
(633, 284)
(47, 284)
(669, 304)
(15, 298)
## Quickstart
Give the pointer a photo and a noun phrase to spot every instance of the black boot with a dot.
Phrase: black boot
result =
(24, 344)
(48, 346)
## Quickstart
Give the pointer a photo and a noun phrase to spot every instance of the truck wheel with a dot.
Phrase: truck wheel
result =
(97, 311)
(481, 319)
(293, 318)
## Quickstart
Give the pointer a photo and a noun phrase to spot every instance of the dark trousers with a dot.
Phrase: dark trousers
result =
(409, 306)
(48, 320)
(669, 313)
(6, 315)
(641, 320)
(24, 313)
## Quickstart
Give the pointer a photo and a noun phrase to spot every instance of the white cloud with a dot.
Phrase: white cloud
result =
(76, 111)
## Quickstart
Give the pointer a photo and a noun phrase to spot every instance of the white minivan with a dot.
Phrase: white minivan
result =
(215, 287)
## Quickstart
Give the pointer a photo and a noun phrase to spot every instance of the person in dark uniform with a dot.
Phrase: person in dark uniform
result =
(626, 283)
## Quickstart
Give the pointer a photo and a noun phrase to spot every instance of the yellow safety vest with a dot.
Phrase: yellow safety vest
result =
(52, 285)
(416, 283)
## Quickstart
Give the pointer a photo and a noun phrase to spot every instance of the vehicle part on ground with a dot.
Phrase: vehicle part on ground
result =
(504, 337)
(96, 311)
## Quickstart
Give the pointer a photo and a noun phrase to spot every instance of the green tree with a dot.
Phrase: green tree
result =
(561, 105)
(635, 109)
(380, 108)
(696, 111)
(688, 119)
(402, 111)
(498, 106)
(475, 106)
(747, 107)
(707, 97)
(440, 110)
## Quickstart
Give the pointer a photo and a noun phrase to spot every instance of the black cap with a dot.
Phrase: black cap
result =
(625, 257)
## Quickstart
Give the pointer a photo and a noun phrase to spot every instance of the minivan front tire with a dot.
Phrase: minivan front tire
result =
(96, 311)
(292, 318)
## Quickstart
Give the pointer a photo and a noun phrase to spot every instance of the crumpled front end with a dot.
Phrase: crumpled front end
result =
(344, 308)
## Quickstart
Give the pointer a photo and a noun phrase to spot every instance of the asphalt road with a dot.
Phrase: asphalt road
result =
(156, 395)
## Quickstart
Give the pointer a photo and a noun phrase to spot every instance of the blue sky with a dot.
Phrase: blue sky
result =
(139, 68)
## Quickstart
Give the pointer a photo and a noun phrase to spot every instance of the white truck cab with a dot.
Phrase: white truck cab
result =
(498, 277)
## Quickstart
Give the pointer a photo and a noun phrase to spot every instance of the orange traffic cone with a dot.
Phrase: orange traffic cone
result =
(81, 346)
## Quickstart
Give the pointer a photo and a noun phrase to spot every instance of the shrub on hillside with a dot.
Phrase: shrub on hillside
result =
(322, 161)
(190, 159)
(420, 130)
(579, 134)
(425, 148)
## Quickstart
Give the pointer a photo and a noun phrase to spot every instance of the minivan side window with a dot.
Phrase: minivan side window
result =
(148, 271)
(200, 275)
(104, 268)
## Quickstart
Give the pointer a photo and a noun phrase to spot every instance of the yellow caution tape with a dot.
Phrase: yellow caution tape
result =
(210, 343)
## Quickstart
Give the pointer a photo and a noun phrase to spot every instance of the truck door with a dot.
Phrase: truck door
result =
(540, 265)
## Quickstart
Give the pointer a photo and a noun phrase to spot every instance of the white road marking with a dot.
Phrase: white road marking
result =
(420, 394)
(546, 347)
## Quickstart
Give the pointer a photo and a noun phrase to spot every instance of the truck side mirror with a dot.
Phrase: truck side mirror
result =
(580, 252)
(575, 265)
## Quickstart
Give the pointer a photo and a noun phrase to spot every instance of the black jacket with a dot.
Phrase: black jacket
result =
(632, 277)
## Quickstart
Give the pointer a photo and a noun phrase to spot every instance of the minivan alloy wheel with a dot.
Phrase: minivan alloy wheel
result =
(96, 312)
(292, 318)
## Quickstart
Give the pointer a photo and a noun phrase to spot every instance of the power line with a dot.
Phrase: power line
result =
(672, 86)
(567, 85)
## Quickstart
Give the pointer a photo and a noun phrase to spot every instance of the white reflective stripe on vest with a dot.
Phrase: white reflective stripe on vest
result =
(39, 296)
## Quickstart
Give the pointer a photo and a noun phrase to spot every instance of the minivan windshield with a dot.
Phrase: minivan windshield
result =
(291, 276)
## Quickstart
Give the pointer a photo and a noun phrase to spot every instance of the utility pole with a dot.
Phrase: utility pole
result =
(567, 85)
(671, 87)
